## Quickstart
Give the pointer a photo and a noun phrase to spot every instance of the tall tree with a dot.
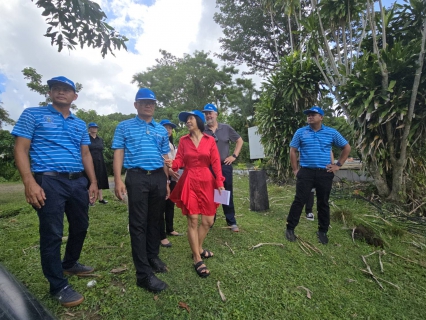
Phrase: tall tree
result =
(256, 33)
(36, 84)
(187, 83)
(73, 22)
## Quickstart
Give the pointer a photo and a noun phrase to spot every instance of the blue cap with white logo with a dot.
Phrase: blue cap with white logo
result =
(92, 124)
(167, 122)
(183, 116)
(314, 109)
(60, 80)
(145, 94)
(209, 107)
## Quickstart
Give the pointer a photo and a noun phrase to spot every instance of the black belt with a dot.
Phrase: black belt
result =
(147, 172)
(68, 175)
(316, 169)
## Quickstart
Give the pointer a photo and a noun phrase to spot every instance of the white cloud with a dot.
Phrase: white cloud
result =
(172, 25)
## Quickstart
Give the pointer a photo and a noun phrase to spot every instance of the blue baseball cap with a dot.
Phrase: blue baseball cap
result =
(60, 80)
(209, 107)
(145, 94)
(167, 122)
(93, 124)
(185, 114)
(315, 109)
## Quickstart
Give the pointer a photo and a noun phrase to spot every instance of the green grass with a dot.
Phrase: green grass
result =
(258, 284)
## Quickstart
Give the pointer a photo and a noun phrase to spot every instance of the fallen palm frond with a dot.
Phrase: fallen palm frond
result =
(415, 262)
(310, 247)
(222, 296)
(226, 244)
(267, 243)
(308, 292)
(370, 272)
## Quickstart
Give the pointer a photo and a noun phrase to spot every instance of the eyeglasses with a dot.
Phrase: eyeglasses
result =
(63, 89)
(215, 138)
(146, 103)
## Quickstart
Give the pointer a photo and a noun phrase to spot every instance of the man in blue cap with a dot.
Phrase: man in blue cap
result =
(314, 142)
(223, 135)
(57, 143)
(141, 145)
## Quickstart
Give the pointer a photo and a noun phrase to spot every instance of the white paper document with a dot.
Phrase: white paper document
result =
(222, 198)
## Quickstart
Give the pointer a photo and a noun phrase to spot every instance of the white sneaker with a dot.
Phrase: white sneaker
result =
(310, 216)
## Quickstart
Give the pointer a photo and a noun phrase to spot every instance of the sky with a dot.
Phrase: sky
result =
(177, 26)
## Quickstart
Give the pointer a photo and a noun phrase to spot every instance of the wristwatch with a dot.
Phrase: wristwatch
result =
(235, 156)
(338, 164)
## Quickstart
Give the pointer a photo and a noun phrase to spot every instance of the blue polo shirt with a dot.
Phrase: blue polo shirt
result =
(55, 141)
(315, 146)
(143, 143)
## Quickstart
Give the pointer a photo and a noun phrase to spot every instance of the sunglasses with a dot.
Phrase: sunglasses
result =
(215, 138)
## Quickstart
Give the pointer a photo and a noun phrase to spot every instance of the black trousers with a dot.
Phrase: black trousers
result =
(166, 221)
(146, 193)
(229, 210)
(307, 179)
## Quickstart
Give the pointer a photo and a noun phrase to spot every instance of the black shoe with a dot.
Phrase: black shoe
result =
(322, 237)
(289, 234)
(152, 283)
(68, 297)
(103, 201)
(157, 265)
(78, 269)
(167, 245)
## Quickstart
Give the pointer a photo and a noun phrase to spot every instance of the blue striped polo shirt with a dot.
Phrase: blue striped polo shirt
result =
(315, 146)
(55, 141)
(143, 143)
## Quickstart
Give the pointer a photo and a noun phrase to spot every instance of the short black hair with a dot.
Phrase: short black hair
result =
(200, 123)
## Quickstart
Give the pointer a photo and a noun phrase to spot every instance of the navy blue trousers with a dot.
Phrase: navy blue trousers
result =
(71, 197)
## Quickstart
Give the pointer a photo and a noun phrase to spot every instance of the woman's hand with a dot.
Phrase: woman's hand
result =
(168, 162)
(220, 190)
(173, 174)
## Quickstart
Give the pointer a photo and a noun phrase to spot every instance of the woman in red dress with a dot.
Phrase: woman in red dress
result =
(194, 191)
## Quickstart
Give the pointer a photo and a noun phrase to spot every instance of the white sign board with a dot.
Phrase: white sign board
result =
(256, 148)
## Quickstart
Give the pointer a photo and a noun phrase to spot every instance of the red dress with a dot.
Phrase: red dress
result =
(194, 190)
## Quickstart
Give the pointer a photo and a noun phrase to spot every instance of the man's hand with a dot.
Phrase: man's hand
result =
(295, 172)
(332, 167)
(93, 192)
(120, 189)
(34, 194)
(228, 161)
(168, 191)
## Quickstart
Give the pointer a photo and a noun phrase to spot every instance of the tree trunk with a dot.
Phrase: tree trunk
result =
(259, 200)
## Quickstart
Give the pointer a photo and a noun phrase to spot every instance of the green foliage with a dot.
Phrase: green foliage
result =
(287, 92)
(8, 170)
(4, 116)
(187, 83)
(36, 84)
(73, 22)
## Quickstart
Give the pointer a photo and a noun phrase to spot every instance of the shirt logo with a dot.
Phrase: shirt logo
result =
(48, 119)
